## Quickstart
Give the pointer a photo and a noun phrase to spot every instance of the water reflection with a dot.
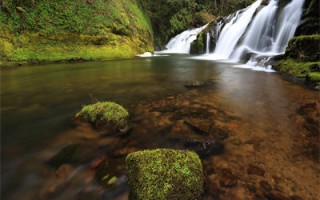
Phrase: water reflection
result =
(38, 102)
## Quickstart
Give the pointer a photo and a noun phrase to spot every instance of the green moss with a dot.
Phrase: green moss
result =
(105, 114)
(314, 76)
(295, 67)
(47, 31)
(164, 174)
(305, 48)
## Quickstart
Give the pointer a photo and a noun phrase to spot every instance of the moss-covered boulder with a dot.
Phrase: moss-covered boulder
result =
(165, 174)
(105, 115)
(304, 48)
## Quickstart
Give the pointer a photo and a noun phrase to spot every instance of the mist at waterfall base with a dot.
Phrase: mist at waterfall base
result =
(260, 32)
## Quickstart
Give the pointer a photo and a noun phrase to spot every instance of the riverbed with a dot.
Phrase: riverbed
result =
(271, 140)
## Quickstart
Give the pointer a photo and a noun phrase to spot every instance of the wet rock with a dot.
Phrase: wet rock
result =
(296, 197)
(235, 141)
(227, 179)
(66, 155)
(105, 115)
(97, 162)
(265, 185)
(219, 134)
(276, 196)
(205, 149)
(194, 84)
(194, 112)
(164, 174)
(255, 170)
(124, 152)
(194, 128)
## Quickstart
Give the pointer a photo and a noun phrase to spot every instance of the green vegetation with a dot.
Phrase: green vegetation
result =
(164, 174)
(304, 48)
(296, 67)
(106, 115)
(47, 31)
(183, 14)
(302, 58)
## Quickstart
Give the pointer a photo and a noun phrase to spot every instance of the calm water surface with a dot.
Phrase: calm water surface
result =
(38, 103)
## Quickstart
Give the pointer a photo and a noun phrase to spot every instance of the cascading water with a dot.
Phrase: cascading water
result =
(208, 43)
(232, 32)
(260, 32)
(181, 43)
(288, 22)
(268, 35)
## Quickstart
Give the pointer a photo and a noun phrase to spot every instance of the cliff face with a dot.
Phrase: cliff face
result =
(47, 31)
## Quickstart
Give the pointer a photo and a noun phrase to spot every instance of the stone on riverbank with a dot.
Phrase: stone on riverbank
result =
(164, 174)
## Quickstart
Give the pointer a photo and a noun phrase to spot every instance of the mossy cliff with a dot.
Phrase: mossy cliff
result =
(302, 59)
(48, 31)
(165, 174)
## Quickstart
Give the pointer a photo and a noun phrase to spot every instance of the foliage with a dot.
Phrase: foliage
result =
(297, 68)
(46, 31)
(183, 14)
(164, 174)
(106, 113)
(305, 48)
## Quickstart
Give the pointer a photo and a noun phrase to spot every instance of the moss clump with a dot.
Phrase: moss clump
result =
(165, 174)
(305, 48)
(107, 115)
(296, 68)
(314, 76)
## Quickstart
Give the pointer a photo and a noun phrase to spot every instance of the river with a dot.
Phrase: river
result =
(258, 110)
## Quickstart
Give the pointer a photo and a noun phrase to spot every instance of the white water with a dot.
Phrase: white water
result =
(208, 43)
(288, 22)
(268, 35)
(181, 43)
(232, 32)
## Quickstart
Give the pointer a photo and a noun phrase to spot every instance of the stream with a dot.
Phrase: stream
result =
(270, 127)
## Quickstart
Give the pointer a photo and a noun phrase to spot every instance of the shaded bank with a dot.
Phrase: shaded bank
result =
(49, 31)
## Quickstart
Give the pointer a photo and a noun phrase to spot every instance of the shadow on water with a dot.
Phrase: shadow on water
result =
(253, 115)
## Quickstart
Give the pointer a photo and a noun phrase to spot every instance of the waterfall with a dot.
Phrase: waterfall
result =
(208, 43)
(232, 32)
(181, 43)
(259, 35)
(288, 22)
(268, 35)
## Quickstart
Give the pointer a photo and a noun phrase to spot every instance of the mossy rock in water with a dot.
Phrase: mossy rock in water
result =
(105, 115)
(165, 174)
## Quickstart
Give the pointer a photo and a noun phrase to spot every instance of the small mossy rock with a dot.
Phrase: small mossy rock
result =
(165, 174)
(105, 115)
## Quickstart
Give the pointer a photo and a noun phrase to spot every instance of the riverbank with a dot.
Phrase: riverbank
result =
(46, 31)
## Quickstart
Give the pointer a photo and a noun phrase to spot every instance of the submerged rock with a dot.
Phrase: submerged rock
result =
(194, 84)
(165, 174)
(66, 155)
(205, 149)
(105, 115)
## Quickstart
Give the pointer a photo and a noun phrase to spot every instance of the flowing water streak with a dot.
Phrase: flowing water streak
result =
(259, 36)
(181, 43)
(232, 32)
(208, 43)
(268, 35)
(288, 21)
